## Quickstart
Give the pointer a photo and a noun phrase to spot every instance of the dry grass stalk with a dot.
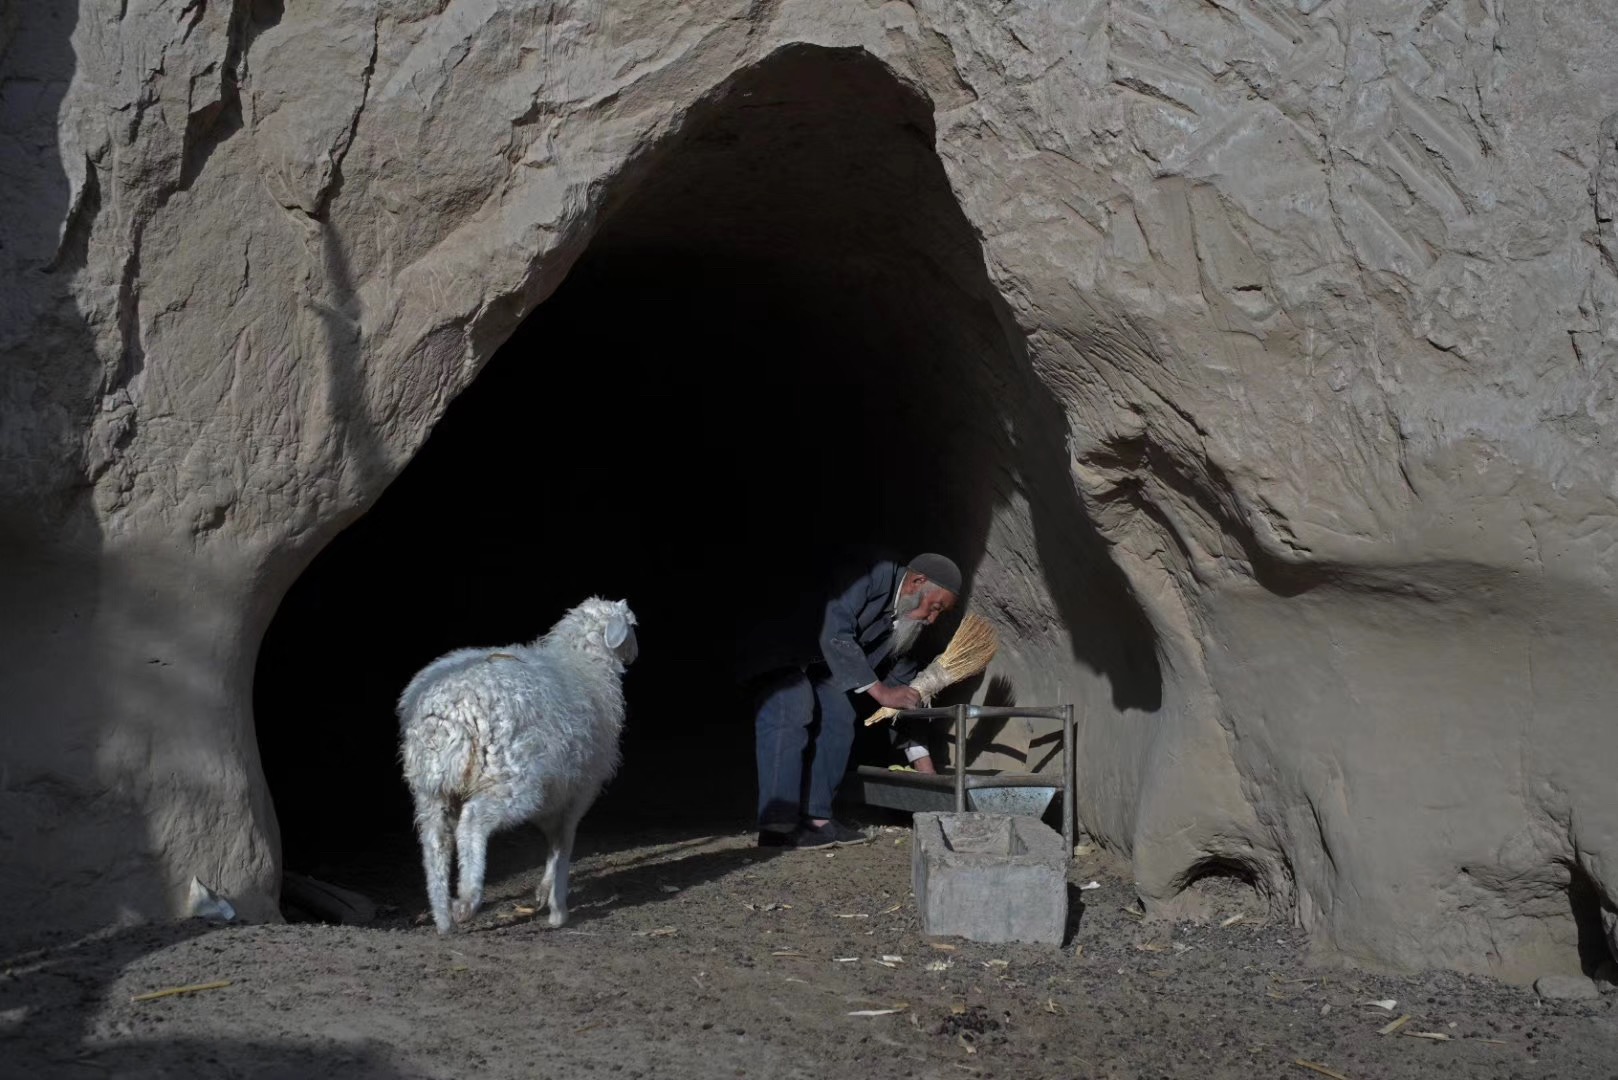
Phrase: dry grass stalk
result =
(174, 990)
(967, 654)
(1319, 1068)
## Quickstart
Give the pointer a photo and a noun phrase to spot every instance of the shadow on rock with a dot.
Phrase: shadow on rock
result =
(51, 998)
(1075, 914)
(229, 1057)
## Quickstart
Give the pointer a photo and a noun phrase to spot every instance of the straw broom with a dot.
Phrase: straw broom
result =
(967, 654)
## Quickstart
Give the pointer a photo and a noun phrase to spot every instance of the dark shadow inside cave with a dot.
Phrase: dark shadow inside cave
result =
(782, 340)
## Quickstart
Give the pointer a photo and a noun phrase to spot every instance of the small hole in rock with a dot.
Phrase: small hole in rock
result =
(1220, 878)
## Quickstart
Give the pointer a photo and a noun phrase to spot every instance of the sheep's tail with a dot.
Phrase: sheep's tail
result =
(443, 761)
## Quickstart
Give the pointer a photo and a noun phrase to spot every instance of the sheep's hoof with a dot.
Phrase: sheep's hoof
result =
(462, 911)
(557, 919)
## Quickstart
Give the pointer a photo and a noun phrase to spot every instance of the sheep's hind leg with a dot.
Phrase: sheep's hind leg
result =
(542, 895)
(437, 850)
(471, 847)
(554, 883)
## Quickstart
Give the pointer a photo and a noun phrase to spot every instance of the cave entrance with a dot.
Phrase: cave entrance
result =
(780, 341)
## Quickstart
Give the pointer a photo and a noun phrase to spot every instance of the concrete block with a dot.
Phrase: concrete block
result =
(990, 877)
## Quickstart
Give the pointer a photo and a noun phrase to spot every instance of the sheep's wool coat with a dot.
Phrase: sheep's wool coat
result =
(526, 730)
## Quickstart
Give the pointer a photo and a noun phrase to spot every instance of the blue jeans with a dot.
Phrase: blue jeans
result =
(785, 722)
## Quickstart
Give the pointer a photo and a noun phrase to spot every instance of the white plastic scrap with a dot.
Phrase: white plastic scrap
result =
(1089, 886)
(207, 904)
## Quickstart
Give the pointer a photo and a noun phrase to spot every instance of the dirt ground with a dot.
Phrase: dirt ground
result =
(695, 954)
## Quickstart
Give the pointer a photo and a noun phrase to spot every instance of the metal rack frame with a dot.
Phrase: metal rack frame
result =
(962, 715)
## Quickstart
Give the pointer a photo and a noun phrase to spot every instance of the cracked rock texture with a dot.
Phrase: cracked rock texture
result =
(1325, 293)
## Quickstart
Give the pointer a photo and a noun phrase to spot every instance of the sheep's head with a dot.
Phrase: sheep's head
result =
(608, 625)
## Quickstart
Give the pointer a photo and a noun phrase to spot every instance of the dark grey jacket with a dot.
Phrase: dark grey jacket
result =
(846, 624)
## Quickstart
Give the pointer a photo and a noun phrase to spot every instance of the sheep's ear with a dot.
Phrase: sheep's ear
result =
(617, 631)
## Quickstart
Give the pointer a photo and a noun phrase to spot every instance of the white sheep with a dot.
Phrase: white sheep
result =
(490, 738)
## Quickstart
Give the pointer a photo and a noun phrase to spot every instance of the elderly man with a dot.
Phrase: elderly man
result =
(850, 641)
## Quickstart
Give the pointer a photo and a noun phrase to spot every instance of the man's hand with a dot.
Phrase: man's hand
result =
(896, 697)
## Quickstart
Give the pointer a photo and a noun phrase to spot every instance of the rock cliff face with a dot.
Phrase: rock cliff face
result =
(1280, 337)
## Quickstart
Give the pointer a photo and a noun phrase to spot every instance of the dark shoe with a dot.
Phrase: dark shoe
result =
(777, 838)
(832, 834)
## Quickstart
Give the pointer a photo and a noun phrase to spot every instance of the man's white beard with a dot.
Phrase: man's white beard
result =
(906, 631)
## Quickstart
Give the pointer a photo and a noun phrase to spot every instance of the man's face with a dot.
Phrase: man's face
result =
(928, 603)
(921, 600)
(917, 609)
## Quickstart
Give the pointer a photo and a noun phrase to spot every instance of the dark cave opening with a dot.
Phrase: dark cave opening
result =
(779, 344)
(781, 341)
(1590, 923)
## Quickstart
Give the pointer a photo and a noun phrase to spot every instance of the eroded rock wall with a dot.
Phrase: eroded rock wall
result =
(1332, 312)
(1310, 311)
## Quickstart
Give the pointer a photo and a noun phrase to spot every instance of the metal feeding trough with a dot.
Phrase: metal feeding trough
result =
(920, 792)
(1023, 794)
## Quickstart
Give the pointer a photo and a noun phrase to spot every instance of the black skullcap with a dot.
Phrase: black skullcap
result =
(938, 570)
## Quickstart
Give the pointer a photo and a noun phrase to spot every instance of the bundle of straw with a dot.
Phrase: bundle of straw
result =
(967, 654)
